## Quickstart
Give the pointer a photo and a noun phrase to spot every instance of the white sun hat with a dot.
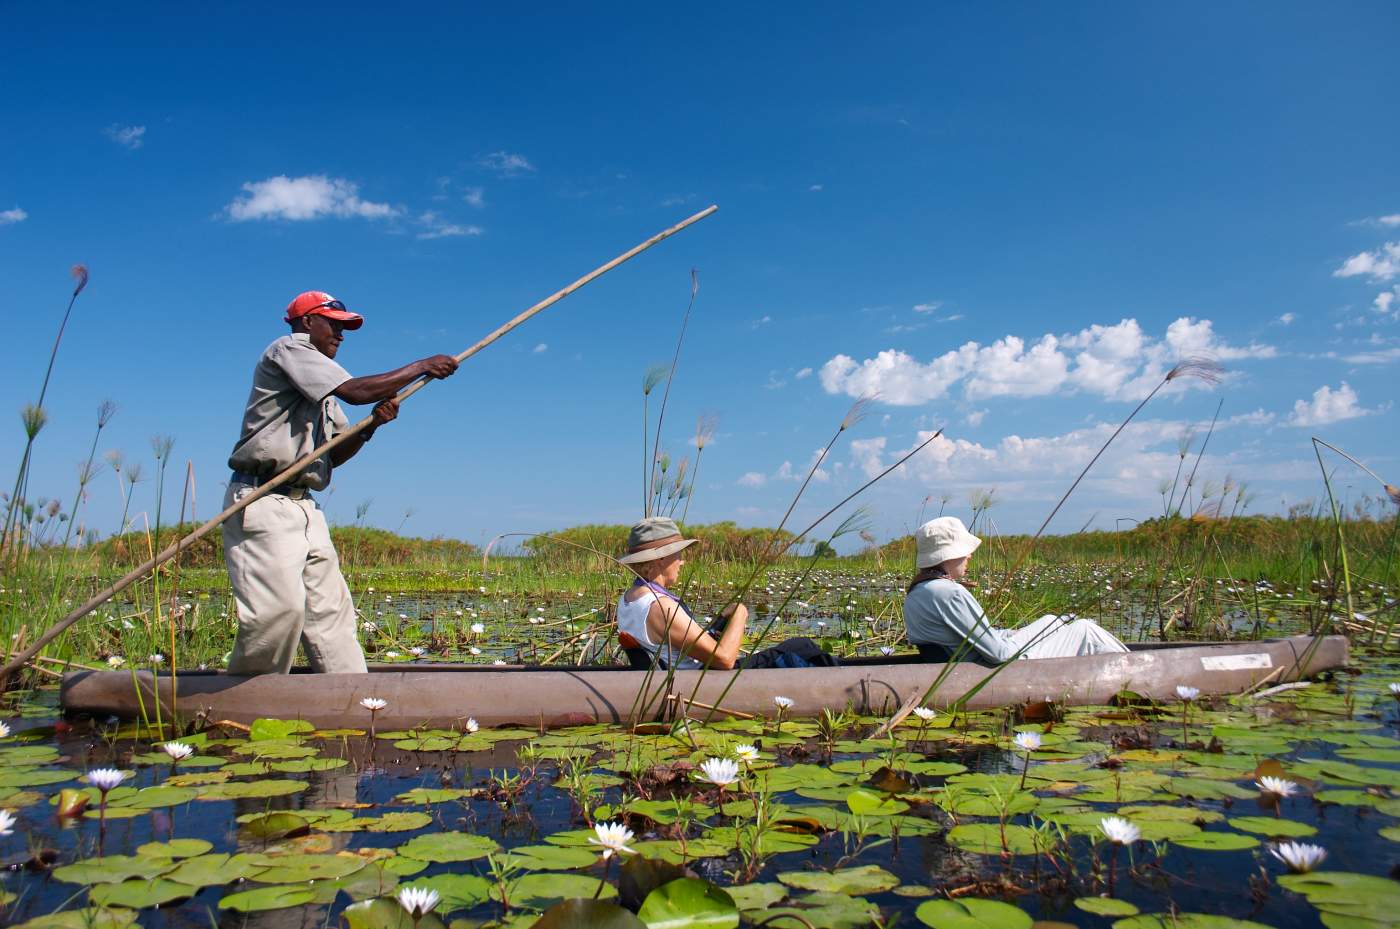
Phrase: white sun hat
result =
(943, 539)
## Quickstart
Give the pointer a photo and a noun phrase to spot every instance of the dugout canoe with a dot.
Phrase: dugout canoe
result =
(441, 695)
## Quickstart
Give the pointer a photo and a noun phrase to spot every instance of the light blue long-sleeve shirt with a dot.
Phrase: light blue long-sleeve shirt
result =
(943, 612)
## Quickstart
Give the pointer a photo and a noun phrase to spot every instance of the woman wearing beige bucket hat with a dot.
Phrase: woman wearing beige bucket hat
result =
(655, 625)
(946, 623)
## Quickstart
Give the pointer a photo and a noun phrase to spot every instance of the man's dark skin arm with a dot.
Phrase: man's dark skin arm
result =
(379, 389)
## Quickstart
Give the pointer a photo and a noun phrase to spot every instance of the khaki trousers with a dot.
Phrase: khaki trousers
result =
(288, 587)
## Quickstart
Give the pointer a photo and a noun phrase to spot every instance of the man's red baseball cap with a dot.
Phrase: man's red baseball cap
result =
(320, 303)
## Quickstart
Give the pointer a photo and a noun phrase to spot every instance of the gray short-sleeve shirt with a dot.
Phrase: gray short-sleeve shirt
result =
(290, 412)
(943, 612)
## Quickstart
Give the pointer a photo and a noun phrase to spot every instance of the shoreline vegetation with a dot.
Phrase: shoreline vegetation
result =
(550, 600)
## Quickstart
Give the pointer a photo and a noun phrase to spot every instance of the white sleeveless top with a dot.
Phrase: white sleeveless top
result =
(632, 619)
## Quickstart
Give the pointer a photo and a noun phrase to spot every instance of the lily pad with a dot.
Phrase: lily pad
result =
(266, 898)
(264, 729)
(448, 846)
(458, 891)
(1217, 841)
(868, 879)
(990, 839)
(295, 869)
(139, 894)
(245, 790)
(89, 918)
(175, 848)
(538, 891)
(1270, 826)
(972, 913)
(112, 869)
(1106, 906)
(1185, 921)
(689, 903)
(587, 914)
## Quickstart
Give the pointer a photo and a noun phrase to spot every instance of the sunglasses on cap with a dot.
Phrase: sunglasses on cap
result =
(330, 304)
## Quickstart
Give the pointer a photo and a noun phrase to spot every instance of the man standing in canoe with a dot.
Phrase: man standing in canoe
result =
(283, 568)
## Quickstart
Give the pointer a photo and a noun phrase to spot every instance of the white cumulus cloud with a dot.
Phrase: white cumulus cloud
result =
(1328, 406)
(313, 196)
(1379, 265)
(131, 137)
(506, 164)
(540, 348)
(475, 196)
(436, 227)
(1118, 361)
(10, 217)
(752, 479)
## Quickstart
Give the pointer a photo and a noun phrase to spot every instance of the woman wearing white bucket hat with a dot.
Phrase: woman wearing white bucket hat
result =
(946, 623)
(654, 625)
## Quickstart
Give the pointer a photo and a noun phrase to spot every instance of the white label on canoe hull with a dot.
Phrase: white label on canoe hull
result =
(1237, 662)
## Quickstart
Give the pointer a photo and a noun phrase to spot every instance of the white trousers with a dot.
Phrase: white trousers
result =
(288, 588)
(1064, 637)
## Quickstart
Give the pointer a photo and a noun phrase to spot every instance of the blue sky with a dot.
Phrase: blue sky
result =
(1006, 221)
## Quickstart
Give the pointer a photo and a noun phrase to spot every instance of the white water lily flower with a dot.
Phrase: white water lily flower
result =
(782, 703)
(374, 704)
(4, 730)
(924, 713)
(157, 659)
(116, 661)
(746, 753)
(887, 650)
(613, 837)
(1300, 857)
(1187, 693)
(1028, 741)
(418, 901)
(417, 651)
(7, 822)
(472, 725)
(1278, 786)
(391, 654)
(719, 771)
(104, 779)
(1395, 689)
(474, 650)
(178, 751)
(1119, 830)
(478, 628)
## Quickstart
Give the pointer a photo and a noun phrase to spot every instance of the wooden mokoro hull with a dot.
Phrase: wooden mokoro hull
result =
(444, 695)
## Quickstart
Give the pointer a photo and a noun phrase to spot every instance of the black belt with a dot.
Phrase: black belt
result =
(252, 480)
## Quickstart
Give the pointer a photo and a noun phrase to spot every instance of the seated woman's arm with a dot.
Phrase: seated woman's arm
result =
(966, 617)
(669, 622)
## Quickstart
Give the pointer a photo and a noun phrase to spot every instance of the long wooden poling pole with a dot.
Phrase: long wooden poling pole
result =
(301, 464)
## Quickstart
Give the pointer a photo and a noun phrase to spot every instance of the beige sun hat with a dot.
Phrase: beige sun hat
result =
(652, 538)
(943, 539)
